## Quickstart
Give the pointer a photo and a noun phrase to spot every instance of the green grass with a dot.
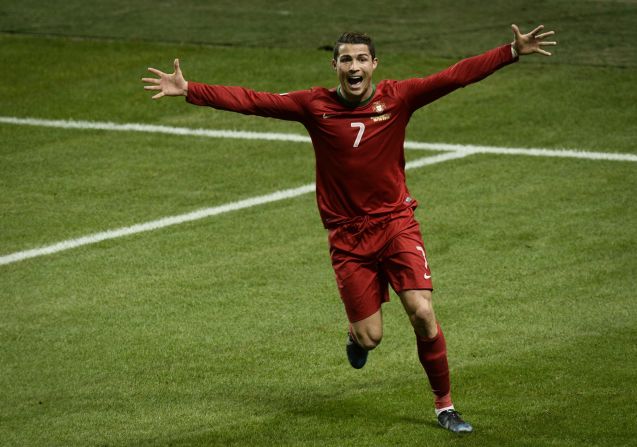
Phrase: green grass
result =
(229, 331)
(594, 32)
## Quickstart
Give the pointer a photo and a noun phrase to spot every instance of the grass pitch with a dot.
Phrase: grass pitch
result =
(228, 331)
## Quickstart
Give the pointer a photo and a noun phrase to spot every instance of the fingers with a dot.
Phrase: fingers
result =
(533, 33)
(543, 35)
(151, 80)
(544, 43)
(156, 72)
(166, 84)
(536, 30)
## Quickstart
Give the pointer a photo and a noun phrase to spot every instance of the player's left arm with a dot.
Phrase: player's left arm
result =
(418, 92)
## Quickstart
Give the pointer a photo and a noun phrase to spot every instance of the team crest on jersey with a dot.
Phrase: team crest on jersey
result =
(378, 106)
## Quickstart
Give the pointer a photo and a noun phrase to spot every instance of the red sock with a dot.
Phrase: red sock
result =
(432, 353)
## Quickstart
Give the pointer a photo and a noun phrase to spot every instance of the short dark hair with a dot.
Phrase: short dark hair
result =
(356, 38)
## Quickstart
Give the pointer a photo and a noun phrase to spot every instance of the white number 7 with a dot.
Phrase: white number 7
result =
(422, 250)
(361, 130)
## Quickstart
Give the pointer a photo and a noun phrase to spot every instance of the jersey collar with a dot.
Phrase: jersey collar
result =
(347, 103)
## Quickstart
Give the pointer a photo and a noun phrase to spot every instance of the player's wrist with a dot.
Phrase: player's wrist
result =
(184, 89)
(514, 50)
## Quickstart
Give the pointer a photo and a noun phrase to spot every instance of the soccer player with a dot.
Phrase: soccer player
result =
(358, 130)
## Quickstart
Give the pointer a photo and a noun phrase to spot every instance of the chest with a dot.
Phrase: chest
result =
(380, 123)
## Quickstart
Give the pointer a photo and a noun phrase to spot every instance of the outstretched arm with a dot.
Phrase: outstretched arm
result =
(168, 84)
(236, 99)
(418, 92)
(532, 42)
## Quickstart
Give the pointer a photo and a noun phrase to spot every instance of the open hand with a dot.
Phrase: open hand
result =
(531, 42)
(168, 84)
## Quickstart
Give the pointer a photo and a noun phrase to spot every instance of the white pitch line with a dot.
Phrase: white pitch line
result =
(454, 151)
(273, 136)
(195, 215)
(420, 162)
(152, 128)
(535, 152)
(157, 224)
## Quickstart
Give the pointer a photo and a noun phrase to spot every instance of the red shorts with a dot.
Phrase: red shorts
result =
(374, 252)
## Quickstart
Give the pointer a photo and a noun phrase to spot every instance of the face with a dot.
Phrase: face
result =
(354, 67)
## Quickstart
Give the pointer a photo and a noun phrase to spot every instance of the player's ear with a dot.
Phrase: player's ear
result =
(375, 63)
(333, 64)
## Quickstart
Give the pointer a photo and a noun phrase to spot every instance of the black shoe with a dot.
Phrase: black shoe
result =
(451, 420)
(356, 355)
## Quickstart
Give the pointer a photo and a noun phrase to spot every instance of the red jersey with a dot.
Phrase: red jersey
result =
(360, 162)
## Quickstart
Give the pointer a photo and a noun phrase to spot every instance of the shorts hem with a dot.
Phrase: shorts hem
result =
(358, 317)
(404, 289)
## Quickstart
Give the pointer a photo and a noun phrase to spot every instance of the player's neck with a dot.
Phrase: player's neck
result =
(350, 103)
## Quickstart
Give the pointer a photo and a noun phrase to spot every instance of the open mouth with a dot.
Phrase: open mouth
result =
(355, 81)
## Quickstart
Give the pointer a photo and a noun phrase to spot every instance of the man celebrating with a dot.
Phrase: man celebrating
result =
(358, 130)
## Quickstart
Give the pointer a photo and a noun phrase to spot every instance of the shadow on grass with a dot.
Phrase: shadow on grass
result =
(382, 413)
(545, 396)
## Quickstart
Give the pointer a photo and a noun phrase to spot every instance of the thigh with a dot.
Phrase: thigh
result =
(362, 285)
(404, 261)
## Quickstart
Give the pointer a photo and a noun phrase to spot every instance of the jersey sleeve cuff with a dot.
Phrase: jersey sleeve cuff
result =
(191, 95)
(514, 52)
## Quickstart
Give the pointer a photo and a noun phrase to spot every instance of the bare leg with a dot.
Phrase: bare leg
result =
(368, 332)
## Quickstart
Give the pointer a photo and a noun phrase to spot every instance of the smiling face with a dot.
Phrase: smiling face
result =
(354, 67)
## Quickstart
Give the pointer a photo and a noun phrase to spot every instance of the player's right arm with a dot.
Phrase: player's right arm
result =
(286, 106)
(167, 84)
(235, 99)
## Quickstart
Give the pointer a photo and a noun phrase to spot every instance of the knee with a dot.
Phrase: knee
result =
(368, 339)
(421, 313)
